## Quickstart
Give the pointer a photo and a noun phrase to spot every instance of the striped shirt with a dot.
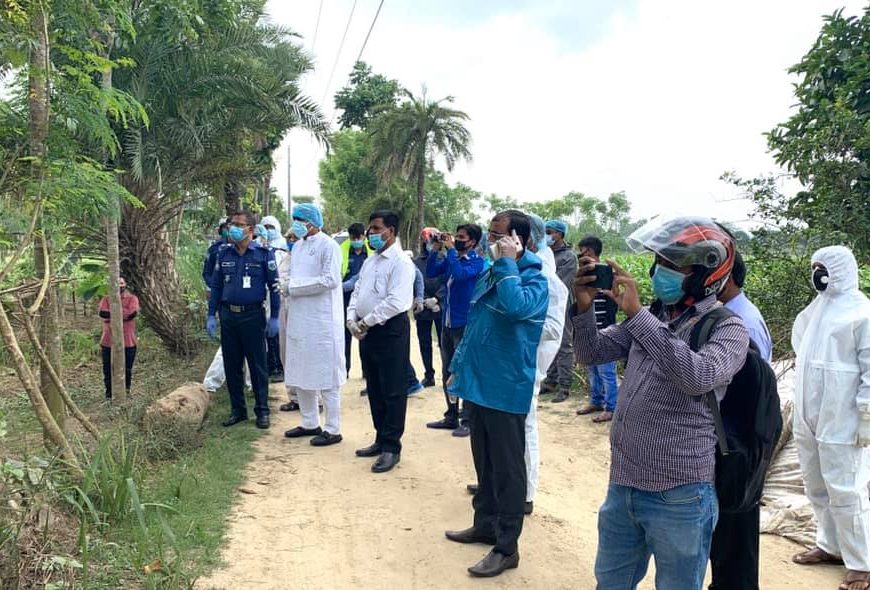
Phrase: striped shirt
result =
(663, 434)
(605, 311)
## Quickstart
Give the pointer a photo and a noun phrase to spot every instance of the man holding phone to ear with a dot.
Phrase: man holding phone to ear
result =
(493, 370)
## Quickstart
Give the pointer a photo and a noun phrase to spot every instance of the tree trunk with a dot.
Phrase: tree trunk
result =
(232, 195)
(38, 105)
(113, 257)
(421, 214)
(149, 266)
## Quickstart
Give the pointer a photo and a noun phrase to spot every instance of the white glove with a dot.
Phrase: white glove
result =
(419, 306)
(430, 303)
(864, 430)
(436, 308)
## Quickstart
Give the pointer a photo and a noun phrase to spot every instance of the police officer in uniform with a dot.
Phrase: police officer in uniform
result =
(244, 274)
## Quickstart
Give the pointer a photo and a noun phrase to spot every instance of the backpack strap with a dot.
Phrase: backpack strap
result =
(701, 332)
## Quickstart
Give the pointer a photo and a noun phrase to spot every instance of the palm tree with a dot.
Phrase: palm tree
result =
(407, 139)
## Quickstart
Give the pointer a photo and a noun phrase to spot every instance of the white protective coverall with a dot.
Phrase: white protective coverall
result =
(551, 339)
(832, 388)
(315, 329)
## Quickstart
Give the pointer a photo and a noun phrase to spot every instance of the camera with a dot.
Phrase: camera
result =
(436, 237)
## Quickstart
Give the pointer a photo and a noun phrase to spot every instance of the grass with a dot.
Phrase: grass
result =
(174, 511)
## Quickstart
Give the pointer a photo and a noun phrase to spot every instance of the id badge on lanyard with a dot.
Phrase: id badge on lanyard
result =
(246, 282)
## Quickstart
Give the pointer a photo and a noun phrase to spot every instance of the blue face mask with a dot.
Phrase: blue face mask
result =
(290, 245)
(376, 241)
(299, 229)
(271, 234)
(550, 240)
(428, 246)
(237, 234)
(357, 244)
(668, 285)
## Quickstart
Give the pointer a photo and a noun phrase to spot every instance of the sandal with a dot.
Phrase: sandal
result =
(605, 416)
(816, 556)
(588, 409)
(856, 580)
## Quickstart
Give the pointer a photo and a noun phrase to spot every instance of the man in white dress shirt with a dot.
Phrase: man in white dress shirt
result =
(378, 316)
(315, 336)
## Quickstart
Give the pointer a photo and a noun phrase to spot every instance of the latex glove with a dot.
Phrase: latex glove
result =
(436, 308)
(272, 330)
(211, 326)
(430, 303)
(864, 430)
(419, 306)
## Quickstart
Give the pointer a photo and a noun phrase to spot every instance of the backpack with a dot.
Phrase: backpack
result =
(748, 422)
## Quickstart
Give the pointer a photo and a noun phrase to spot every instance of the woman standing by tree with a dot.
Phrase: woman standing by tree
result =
(129, 309)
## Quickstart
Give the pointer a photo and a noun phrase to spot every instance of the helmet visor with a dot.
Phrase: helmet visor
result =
(683, 241)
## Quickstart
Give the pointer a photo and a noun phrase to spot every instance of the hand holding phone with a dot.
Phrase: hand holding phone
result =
(603, 274)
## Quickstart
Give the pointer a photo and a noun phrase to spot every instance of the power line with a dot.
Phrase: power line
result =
(338, 54)
(316, 26)
(374, 20)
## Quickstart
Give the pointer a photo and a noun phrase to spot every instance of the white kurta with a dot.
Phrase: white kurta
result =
(315, 319)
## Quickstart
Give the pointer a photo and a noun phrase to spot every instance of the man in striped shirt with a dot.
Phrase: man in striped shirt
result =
(661, 500)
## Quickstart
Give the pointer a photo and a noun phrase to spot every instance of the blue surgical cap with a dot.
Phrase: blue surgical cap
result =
(557, 225)
(538, 235)
(308, 212)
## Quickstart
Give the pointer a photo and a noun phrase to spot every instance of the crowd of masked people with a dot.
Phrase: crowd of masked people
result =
(515, 309)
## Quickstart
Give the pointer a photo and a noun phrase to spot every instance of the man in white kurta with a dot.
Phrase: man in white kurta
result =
(315, 327)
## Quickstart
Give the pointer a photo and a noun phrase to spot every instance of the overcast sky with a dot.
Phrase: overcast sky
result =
(653, 97)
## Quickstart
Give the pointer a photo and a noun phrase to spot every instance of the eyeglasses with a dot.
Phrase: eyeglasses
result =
(495, 236)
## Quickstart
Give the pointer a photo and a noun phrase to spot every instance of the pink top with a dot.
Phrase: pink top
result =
(129, 305)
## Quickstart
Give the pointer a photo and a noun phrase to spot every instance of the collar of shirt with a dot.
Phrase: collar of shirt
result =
(391, 251)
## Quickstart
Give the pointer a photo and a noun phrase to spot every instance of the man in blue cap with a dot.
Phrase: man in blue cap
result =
(561, 372)
(244, 274)
(315, 327)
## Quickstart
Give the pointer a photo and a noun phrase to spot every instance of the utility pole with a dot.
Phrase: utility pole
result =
(289, 193)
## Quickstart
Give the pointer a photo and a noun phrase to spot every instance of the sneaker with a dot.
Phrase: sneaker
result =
(443, 424)
(415, 388)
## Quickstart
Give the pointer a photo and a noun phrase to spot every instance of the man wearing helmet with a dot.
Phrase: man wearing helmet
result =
(661, 500)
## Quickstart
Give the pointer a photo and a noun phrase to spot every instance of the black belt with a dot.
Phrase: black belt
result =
(241, 308)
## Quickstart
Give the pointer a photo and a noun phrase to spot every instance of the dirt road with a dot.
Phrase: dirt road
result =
(319, 518)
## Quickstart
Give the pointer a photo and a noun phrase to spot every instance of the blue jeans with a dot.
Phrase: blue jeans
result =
(602, 386)
(674, 526)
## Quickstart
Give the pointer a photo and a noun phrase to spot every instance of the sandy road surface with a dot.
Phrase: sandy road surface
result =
(321, 519)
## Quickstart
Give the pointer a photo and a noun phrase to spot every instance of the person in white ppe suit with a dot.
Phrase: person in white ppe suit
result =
(832, 414)
(315, 327)
(292, 404)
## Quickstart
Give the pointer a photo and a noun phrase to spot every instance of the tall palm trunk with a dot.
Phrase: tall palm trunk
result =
(113, 256)
(421, 213)
(148, 262)
(38, 104)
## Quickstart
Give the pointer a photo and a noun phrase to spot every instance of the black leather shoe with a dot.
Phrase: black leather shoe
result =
(364, 392)
(386, 462)
(528, 508)
(289, 407)
(560, 397)
(443, 424)
(233, 420)
(369, 451)
(428, 382)
(470, 535)
(494, 564)
(299, 431)
(324, 439)
(263, 422)
(472, 488)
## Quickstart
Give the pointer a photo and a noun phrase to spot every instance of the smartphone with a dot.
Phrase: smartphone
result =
(495, 251)
(603, 277)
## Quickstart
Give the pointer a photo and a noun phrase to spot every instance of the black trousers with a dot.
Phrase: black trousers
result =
(348, 337)
(385, 353)
(129, 359)
(734, 551)
(450, 339)
(243, 338)
(424, 336)
(498, 443)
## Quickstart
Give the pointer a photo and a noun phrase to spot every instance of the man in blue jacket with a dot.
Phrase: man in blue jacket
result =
(494, 372)
(459, 270)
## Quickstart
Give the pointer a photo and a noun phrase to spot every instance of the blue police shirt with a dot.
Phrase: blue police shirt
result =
(244, 279)
(210, 258)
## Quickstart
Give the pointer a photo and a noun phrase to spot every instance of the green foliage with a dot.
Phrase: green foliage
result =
(104, 495)
(365, 96)
(826, 143)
